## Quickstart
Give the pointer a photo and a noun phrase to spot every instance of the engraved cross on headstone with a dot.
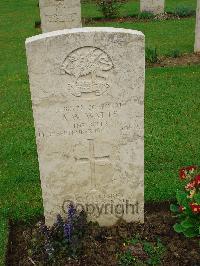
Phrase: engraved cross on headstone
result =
(92, 159)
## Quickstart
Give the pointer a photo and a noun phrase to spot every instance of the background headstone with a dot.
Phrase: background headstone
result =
(197, 32)
(153, 6)
(60, 14)
(87, 88)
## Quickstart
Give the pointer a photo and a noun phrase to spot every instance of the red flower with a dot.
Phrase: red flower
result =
(181, 208)
(195, 207)
(182, 173)
(186, 170)
(197, 180)
(191, 168)
(190, 185)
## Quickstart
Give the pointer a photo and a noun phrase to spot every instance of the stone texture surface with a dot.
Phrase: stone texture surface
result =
(197, 32)
(60, 14)
(153, 6)
(87, 89)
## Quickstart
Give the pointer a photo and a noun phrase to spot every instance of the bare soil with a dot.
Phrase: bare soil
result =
(134, 18)
(183, 60)
(102, 244)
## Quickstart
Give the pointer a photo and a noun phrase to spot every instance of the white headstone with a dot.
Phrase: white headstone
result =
(87, 88)
(152, 6)
(197, 32)
(60, 14)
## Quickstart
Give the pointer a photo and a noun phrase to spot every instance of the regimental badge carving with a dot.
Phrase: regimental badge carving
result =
(89, 69)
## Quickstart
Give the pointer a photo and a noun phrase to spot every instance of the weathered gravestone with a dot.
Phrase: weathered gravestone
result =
(60, 14)
(197, 33)
(152, 6)
(87, 88)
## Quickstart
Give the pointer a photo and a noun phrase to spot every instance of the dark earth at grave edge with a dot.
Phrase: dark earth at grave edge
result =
(103, 244)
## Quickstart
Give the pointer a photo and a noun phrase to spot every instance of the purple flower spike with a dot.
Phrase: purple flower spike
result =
(67, 231)
(71, 211)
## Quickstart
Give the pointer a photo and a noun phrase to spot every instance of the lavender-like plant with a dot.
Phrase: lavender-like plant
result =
(49, 249)
(59, 220)
(64, 238)
(71, 211)
(68, 231)
(44, 230)
(48, 245)
(69, 223)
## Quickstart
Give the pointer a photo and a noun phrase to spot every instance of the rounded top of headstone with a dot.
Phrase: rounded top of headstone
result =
(83, 30)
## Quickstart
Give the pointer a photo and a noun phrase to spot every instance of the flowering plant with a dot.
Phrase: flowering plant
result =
(188, 208)
(62, 239)
(109, 8)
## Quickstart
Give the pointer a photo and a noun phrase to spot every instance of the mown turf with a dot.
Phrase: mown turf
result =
(20, 195)
(171, 114)
(3, 239)
(166, 36)
(132, 7)
(172, 127)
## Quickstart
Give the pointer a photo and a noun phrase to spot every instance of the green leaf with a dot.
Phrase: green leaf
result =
(197, 198)
(187, 224)
(182, 198)
(178, 228)
(190, 232)
(133, 241)
(174, 208)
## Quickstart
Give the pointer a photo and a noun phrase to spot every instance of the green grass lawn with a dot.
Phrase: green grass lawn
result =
(166, 36)
(171, 113)
(132, 7)
(171, 127)
(3, 239)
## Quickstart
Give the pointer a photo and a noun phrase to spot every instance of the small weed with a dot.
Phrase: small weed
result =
(154, 252)
(127, 259)
(175, 53)
(184, 11)
(145, 15)
(151, 55)
(140, 252)
(37, 23)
